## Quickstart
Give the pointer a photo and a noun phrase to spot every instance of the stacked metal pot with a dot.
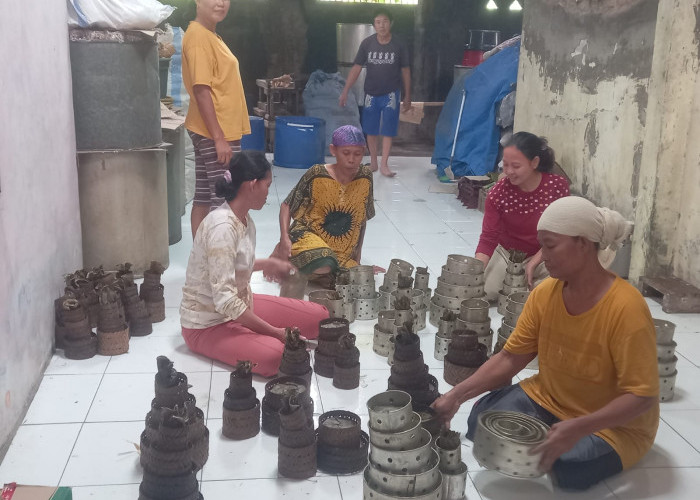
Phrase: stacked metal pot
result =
(462, 278)
(296, 361)
(275, 392)
(511, 312)
(137, 315)
(152, 290)
(329, 332)
(112, 328)
(465, 355)
(666, 356)
(296, 447)
(397, 267)
(515, 279)
(409, 373)
(474, 317)
(337, 304)
(454, 471)
(346, 368)
(175, 442)
(402, 463)
(241, 419)
(341, 444)
(73, 332)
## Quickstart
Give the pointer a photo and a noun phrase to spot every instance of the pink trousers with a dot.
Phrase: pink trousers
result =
(230, 342)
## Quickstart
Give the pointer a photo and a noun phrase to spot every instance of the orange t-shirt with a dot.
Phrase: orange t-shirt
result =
(590, 359)
(207, 60)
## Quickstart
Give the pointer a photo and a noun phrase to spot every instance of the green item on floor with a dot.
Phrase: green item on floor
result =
(14, 491)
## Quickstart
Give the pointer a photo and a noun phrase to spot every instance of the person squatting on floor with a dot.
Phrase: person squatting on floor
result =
(598, 381)
(220, 316)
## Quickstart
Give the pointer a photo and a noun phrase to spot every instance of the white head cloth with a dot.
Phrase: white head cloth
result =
(576, 216)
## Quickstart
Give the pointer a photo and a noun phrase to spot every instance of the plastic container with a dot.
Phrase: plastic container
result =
(299, 141)
(255, 141)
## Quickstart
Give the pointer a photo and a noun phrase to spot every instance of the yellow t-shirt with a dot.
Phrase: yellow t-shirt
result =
(207, 60)
(590, 359)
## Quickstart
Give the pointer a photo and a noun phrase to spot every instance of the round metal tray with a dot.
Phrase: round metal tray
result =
(401, 440)
(474, 310)
(461, 279)
(404, 462)
(503, 441)
(664, 331)
(390, 411)
(401, 316)
(505, 330)
(461, 264)
(407, 485)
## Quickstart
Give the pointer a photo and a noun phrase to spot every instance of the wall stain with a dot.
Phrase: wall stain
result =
(591, 136)
(636, 166)
(642, 100)
(696, 9)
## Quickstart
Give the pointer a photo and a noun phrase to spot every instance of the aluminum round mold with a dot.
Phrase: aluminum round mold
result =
(454, 484)
(409, 461)
(447, 302)
(474, 310)
(450, 457)
(511, 317)
(392, 348)
(667, 367)
(399, 267)
(402, 440)
(461, 279)
(517, 301)
(381, 342)
(454, 374)
(515, 267)
(361, 275)
(390, 411)
(402, 316)
(509, 290)
(666, 351)
(345, 291)
(421, 281)
(664, 331)
(334, 306)
(480, 328)
(517, 280)
(406, 485)
(390, 283)
(362, 291)
(487, 340)
(504, 439)
(385, 320)
(666, 387)
(374, 491)
(420, 316)
(418, 299)
(441, 346)
(446, 327)
(367, 308)
(505, 330)
(386, 299)
(461, 264)
(502, 302)
(457, 291)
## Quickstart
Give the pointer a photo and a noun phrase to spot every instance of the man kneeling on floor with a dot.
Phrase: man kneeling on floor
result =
(598, 382)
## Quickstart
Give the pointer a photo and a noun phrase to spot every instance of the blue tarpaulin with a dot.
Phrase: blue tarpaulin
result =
(477, 138)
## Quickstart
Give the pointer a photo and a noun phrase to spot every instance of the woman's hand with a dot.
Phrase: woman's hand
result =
(561, 437)
(276, 269)
(446, 407)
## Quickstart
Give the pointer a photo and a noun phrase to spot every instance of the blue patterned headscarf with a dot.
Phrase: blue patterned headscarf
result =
(347, 135)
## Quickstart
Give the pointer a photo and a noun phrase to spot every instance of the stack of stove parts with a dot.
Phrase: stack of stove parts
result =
(384, 333)
(175, 443)
(341, 444)
(409, 373)
(515, 279)
(79, 342)
(443, 337)
(474, 317)
(403, 319)
(415, 299)
(275, 392)
(402, 463)
(462, 278)
(666, 353)
(135, 307)
(337, 306)
(362, 293)
(454, 471)
(329, 331)
(422, 283)
(513, 309)
(241, 405)
(152, 292)
(464, 356)
(112, 329)
(296, 361)
(83, 289)
(296, 447)
(397, 267)
(346, 370)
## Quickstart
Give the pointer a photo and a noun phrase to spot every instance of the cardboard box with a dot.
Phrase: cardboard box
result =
(14, 491)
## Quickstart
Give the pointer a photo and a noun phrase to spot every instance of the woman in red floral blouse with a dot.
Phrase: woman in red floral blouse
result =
(514, 206)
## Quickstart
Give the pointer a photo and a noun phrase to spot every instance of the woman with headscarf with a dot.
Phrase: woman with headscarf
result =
(598, 384)
(220, 315)
(330, 205)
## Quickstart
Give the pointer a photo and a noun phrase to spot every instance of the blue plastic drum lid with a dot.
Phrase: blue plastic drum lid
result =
(254, 141)
(300, 141)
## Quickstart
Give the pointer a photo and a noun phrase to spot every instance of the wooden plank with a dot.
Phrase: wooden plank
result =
(674, 294)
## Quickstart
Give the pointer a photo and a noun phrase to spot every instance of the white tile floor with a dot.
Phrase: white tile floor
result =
(85, 421)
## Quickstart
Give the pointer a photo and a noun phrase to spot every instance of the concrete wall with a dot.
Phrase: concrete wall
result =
(39, 214)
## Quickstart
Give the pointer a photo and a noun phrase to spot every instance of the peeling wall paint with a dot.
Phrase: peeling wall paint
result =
(39, 215)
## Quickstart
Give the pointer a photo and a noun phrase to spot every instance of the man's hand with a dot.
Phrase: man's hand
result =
(446, 407)
(406, 105)
(561, 437)
(342, 101)
(223, 151)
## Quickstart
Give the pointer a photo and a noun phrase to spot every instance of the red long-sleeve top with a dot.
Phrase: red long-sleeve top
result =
(511, 214)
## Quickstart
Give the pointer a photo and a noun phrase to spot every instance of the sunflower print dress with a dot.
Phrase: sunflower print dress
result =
(328, 218)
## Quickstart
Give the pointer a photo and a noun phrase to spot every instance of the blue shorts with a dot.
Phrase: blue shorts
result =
(380, 116)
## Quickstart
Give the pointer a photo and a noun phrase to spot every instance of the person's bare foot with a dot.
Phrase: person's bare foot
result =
(386, 172)
(373, 167)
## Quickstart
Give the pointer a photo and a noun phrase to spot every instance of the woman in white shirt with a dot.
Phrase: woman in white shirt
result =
(220, 316)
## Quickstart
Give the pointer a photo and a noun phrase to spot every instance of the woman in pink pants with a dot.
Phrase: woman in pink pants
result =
(221, 318)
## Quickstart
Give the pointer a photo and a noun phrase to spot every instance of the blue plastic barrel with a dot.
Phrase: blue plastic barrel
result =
(300, 141)
(256, 139)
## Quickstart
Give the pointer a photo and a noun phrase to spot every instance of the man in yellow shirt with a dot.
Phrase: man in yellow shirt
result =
(598, 384)
(217, 117)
